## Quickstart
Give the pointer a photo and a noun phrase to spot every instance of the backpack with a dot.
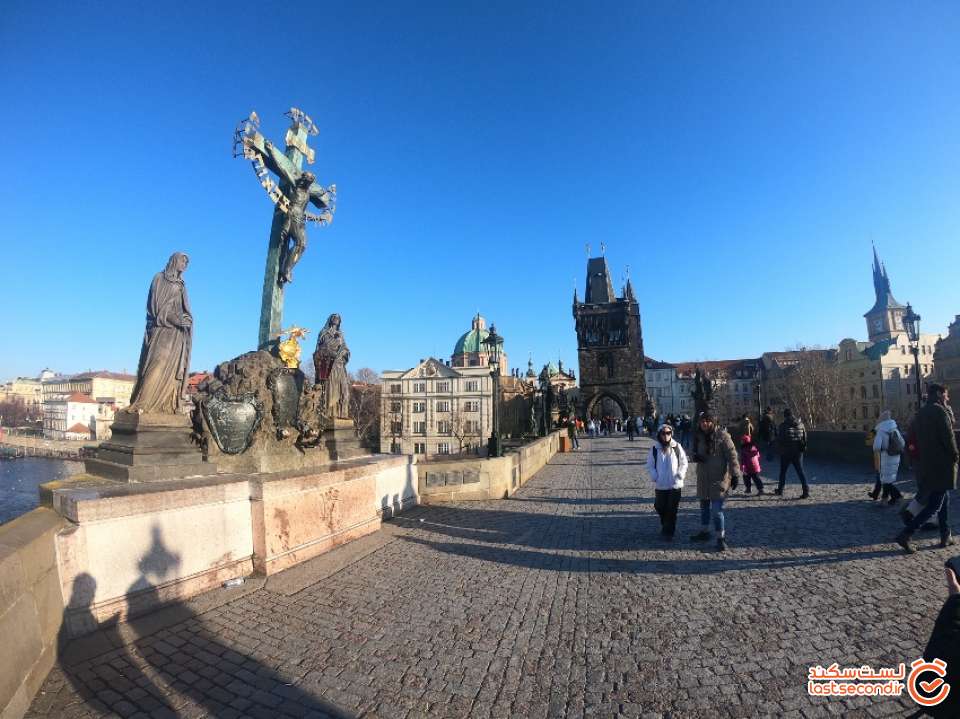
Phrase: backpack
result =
(895, 443)
(656, 454)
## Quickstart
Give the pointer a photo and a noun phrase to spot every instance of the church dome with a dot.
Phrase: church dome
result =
(472, 341)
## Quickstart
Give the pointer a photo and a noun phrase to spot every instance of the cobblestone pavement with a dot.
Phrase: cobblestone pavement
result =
(562, 601)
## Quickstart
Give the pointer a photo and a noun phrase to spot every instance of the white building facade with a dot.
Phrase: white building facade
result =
(434, 410)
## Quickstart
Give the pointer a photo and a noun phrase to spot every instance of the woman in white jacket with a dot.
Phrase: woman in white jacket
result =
(888, 463)
(667, 464)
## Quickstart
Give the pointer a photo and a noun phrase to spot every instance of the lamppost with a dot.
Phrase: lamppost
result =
(911, 321)
(494, 344)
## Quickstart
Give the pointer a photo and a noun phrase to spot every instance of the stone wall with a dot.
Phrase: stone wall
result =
(480, 479)
(839, 446)
(31, 607)
(183, 537)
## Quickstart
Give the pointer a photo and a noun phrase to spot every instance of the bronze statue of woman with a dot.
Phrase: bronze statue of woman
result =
(330, 361)
(165, 356)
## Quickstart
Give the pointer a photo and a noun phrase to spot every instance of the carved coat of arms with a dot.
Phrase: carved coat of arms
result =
(233, 420)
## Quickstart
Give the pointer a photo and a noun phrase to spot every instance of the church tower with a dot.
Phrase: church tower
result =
(885, 318)
(609, 344)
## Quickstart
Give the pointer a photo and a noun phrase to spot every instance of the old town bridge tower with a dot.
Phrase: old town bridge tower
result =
(609, 344)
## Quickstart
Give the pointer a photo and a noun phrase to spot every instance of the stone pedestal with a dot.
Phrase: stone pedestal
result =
(341, 440)
(149, 448)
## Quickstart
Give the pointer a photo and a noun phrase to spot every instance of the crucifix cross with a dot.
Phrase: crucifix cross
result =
(294, 190)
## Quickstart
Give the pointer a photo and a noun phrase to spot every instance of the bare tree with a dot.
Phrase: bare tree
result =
(364, 406)
(812, 387)
(13, 412)
(463, 428)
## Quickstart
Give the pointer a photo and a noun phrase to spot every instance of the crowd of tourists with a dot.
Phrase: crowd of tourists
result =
(727, 455)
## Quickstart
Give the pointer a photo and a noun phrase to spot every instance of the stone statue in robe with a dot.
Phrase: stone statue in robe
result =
(165, 357)
(330, 362)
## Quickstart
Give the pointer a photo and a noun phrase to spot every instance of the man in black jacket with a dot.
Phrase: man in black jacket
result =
(937, 468)
(944, 644)
(793, 443)
(768, 432)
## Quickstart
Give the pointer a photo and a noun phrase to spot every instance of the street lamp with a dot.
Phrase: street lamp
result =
(911, 321)
(494, 345)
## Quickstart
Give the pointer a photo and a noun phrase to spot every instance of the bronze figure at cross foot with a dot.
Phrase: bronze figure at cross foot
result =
(296, 189)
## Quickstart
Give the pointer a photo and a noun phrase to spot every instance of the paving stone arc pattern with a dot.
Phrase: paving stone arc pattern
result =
(560, 602)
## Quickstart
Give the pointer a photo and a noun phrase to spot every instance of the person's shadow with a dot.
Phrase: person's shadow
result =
(165, 662)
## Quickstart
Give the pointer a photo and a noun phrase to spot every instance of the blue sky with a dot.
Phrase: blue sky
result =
(738, 157)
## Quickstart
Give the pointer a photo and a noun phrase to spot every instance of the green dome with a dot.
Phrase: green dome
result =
(552, 369)
(471, 342)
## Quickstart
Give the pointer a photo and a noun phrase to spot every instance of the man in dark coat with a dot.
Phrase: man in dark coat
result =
(937, 468)
(768, 432)
(944, 644)
(793, 443)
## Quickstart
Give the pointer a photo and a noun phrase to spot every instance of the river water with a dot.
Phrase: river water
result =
(20, 480)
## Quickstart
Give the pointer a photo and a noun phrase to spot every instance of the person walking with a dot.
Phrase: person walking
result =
(631, 427)
(685, 425)
(592, 427)
(944, 644)
(750, 463)
(718, 469)
(768, 432)
(888, 445)
(792, 436)
(667, 464)
(572, 433)
(937, 470)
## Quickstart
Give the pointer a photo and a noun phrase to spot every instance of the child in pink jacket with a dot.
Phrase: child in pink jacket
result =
(750, 462)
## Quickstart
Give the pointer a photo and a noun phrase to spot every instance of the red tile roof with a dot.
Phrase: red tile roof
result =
(79, 397)
(79, 429)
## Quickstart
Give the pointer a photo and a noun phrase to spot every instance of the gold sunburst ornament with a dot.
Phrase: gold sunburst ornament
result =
(289, 349)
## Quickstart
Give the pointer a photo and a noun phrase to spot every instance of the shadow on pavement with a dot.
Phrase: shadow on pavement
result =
(172, 669)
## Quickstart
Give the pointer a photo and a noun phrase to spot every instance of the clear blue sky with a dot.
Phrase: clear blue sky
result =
(739, 157)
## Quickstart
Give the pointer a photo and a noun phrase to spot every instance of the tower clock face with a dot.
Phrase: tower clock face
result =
(878, 324)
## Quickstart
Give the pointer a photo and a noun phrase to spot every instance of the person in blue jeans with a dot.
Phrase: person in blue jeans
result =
(937, 469)
(718, 470)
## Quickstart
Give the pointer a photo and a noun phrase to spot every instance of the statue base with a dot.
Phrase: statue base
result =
(341, 440)
(149, 448)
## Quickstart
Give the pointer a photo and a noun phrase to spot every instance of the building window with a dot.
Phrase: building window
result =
(863, 412)
(471, 426)
(395, 389)
(474, 362)
(395, 407)
(395, 448)
(396, 427)
(443, 448)
(443, 406)
(876, 392)
(419, 447)
(419, 386)
(471, 406)
(419, 407)
(443, 426)
(443, 387)
(472, 385)
(420, 427)
(863, 392)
